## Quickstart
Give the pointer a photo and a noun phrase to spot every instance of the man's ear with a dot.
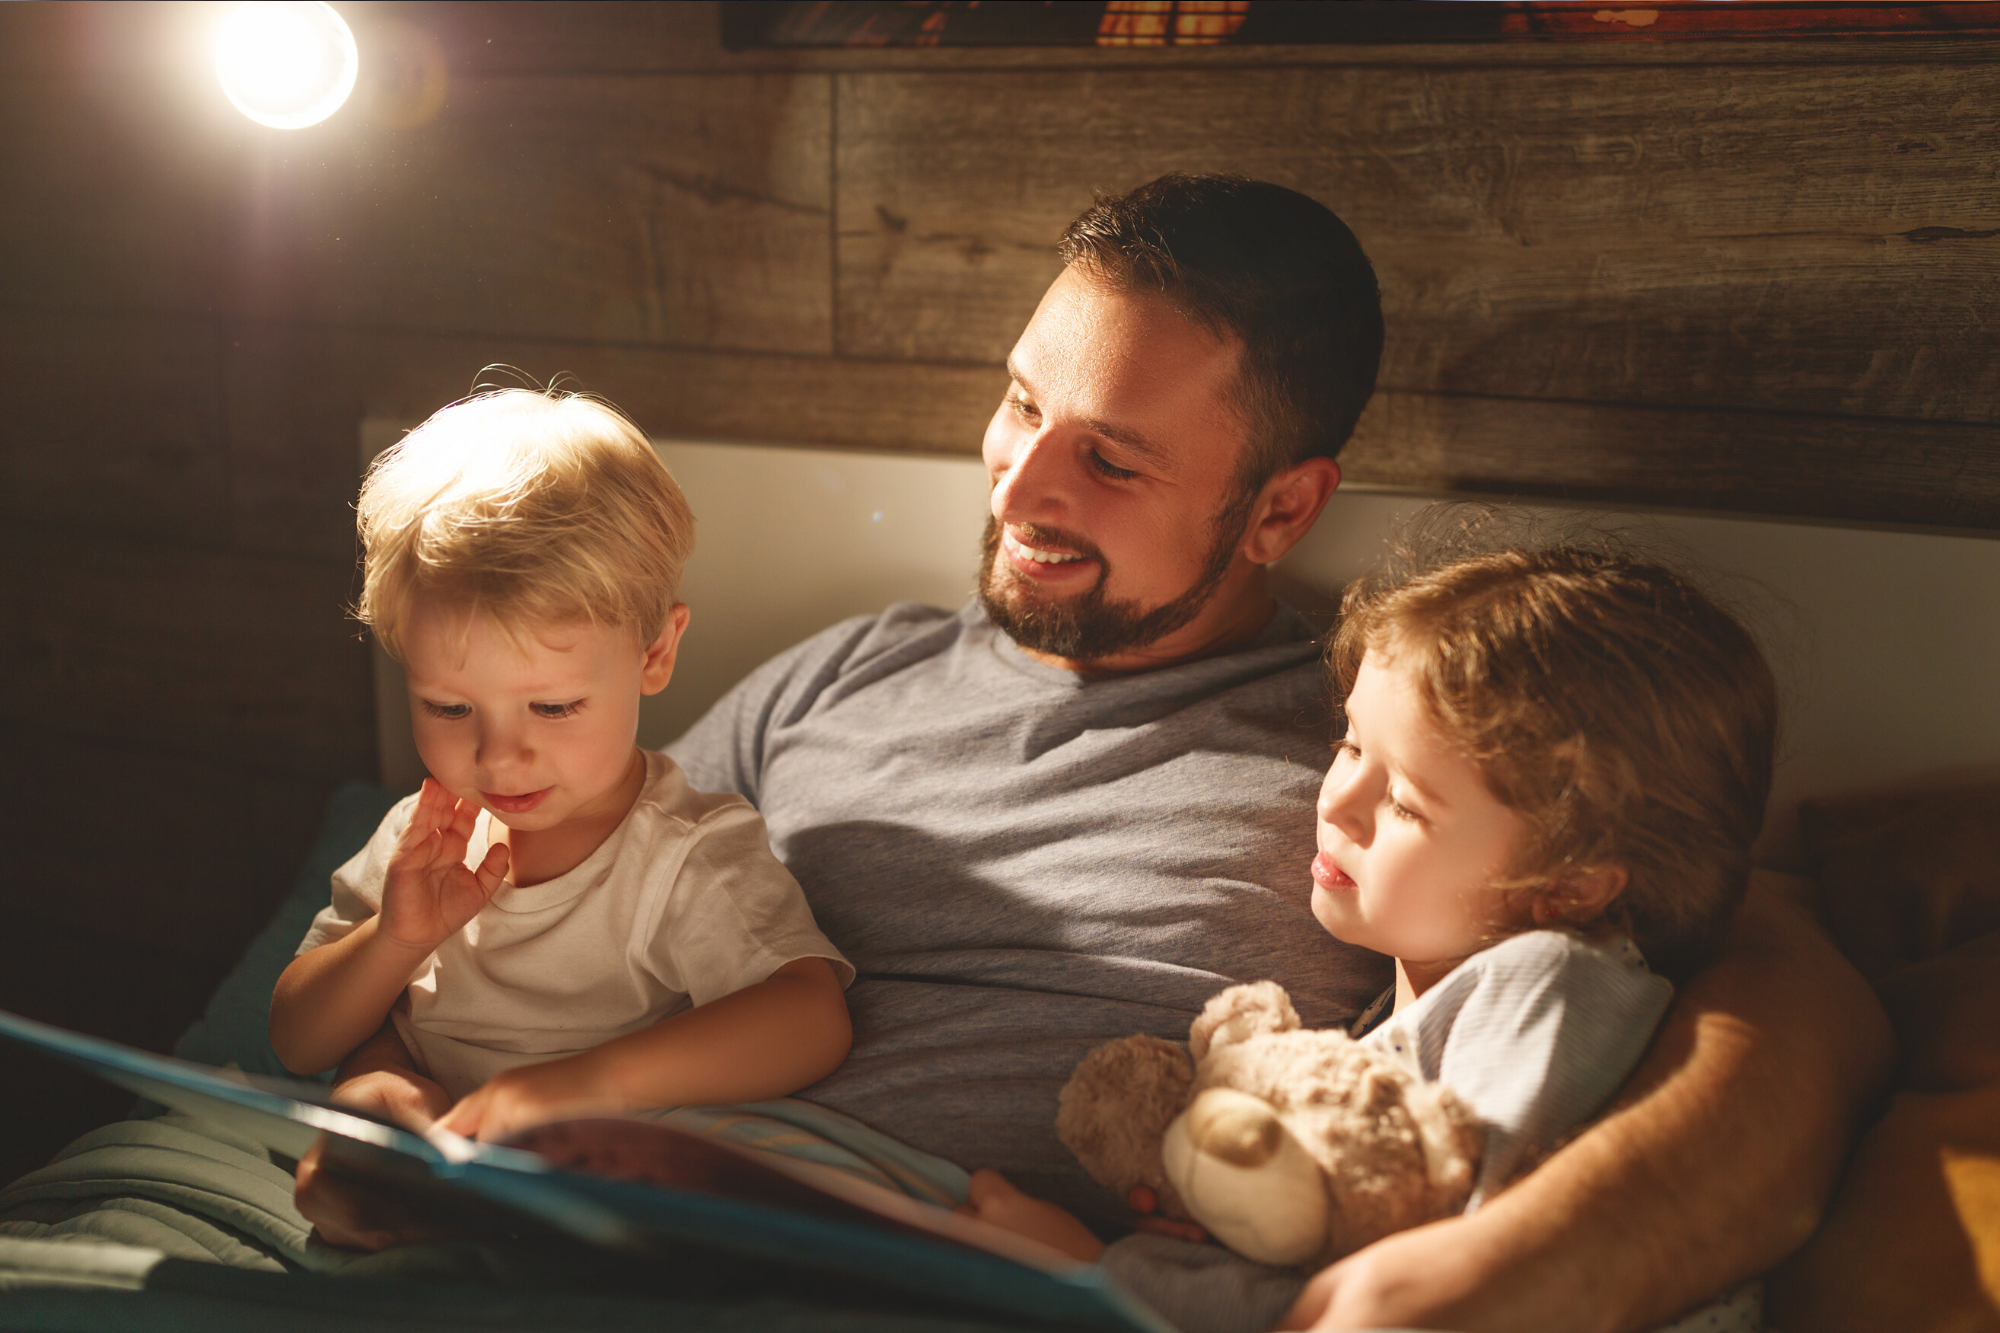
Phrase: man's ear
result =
(1286, 507)
(657, 668)
(1580, 896)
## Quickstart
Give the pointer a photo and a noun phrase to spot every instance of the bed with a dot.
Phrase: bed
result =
(1884, 641)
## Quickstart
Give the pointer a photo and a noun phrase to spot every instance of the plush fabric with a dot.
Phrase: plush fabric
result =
(1912, 1240)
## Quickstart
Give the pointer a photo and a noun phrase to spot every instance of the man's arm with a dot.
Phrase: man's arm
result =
(1714, 1165)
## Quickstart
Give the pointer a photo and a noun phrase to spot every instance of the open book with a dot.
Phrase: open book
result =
(721, 1197)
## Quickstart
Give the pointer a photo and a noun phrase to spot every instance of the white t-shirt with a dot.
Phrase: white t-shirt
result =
(683, 903)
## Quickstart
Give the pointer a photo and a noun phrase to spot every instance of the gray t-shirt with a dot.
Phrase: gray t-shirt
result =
(1023, 862)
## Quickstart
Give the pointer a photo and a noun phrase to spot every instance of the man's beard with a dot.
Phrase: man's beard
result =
(1089, 626)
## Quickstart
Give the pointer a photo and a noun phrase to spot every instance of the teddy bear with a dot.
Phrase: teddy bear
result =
(1289, 1146)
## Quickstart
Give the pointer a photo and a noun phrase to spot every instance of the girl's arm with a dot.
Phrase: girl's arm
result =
(763, 1041)
(1714, 1166)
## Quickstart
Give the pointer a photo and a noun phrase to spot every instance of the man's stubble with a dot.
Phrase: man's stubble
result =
(1089, 626)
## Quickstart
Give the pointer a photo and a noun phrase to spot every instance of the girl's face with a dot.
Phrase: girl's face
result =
(1411, 840)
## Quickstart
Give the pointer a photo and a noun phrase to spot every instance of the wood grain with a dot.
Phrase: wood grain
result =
(1927, 474)
(230, 658)
(1638, 235)
(691, 211)
(115, 425)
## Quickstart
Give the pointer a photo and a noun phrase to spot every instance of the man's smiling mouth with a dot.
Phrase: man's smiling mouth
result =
(1040, 557)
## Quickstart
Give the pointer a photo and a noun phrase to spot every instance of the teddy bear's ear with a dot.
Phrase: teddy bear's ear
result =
(1239, 1013)
(1116, 1108)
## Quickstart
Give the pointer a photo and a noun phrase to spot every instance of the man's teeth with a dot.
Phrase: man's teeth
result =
(1040, 557)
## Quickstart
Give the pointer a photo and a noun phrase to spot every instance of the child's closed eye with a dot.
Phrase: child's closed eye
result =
(449, 712)
(554, 711)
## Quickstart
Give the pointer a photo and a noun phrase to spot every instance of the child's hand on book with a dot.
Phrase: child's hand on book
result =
(529, 1095)
(429, 894)
(399, 1095)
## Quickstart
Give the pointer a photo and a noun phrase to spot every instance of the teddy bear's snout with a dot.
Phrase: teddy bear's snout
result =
(1241, 1131)
(1243, 1175)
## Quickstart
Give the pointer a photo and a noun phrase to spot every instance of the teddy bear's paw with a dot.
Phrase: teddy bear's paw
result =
(1240, 1013)
(1242, 1174)
(1115, 1108)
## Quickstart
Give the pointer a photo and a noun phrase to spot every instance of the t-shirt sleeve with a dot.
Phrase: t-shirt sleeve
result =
(1535, 1035)
(357, 884)
(732, 914)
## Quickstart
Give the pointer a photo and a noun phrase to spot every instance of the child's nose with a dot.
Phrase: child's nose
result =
(1343, 804)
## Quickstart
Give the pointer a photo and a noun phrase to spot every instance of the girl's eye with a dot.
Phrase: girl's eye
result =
(1345, 749)
(1106, 468)
(1401, 811)
(449, 712)
(1024, 409)
(553, 711)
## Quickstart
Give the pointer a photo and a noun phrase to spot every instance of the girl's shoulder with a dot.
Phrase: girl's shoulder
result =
(1544, 949)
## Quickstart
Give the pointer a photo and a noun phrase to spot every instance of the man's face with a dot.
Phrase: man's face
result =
(1115, 507)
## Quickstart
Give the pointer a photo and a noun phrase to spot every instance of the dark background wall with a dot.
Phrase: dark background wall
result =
(1748, 275)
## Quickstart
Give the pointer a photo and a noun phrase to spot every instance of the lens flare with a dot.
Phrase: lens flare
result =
(286, 63)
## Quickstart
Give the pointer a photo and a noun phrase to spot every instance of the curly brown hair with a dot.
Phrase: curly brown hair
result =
(1626, 717)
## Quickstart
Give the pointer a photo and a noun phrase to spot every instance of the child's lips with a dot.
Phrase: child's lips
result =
(516, 805)
(1328, 875)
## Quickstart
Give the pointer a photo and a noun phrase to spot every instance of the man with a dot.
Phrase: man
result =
(1082, 805)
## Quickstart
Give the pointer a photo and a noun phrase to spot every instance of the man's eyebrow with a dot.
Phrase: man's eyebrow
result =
(1131, 439)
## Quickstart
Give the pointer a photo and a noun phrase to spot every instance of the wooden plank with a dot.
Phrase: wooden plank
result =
(316, 383)
(691, 211)
(1930, 474)
(235, 658)
(1765, 237)
(298, 393)
(118, 426)
(112, 192)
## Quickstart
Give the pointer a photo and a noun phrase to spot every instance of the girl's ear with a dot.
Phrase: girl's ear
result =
(1580, 896)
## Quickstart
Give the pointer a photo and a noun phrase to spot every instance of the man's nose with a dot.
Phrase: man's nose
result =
(1031, 483)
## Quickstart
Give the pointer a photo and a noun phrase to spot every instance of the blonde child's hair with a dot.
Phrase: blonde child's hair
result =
(1628, 719)
(534, 508)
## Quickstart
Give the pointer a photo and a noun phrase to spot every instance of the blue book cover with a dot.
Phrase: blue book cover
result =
(676, 1189)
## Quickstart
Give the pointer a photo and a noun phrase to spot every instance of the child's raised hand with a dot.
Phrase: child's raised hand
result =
(429, 894)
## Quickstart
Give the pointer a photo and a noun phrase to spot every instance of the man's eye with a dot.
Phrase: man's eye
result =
(1106, 468)
(557, 710)
(449, 712)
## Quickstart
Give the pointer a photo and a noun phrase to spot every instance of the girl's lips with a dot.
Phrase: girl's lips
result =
(1328, 875)
(516, 805)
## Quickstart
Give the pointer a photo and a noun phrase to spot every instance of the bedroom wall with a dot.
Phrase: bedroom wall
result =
(1757, 276)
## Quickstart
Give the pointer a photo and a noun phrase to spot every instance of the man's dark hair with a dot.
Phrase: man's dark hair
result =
(1264, 264)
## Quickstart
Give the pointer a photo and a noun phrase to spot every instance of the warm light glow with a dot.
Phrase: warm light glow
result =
(286, 63)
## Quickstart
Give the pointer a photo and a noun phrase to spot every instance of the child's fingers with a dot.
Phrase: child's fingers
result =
(464, 818)
(492, 872)
(463, 1119)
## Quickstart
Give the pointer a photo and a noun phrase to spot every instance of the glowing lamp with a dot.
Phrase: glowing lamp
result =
(286, 63)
